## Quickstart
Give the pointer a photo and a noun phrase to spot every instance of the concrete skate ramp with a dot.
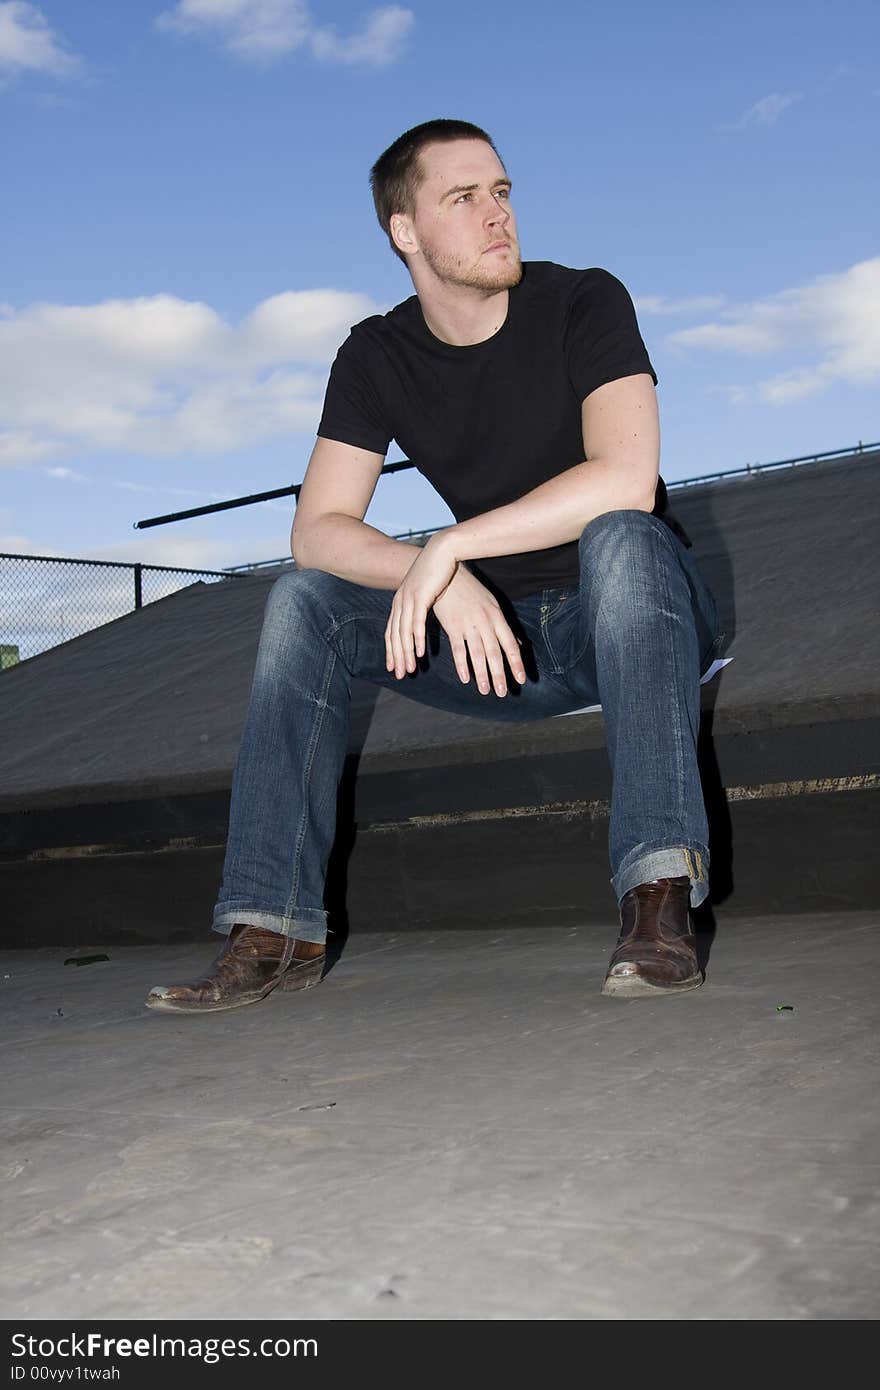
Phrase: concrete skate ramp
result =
(122, 742)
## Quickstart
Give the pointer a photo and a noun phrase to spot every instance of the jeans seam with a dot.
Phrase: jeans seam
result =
(576, 591)
(339, 623)
(318, 725)
(679, 750)
(577, 658)
(547, 615)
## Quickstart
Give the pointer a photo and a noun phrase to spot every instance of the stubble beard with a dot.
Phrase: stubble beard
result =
(486, 274)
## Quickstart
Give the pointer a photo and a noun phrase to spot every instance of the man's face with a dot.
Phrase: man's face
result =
(463, 221)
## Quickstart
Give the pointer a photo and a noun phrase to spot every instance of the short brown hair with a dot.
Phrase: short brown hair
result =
(396, 175)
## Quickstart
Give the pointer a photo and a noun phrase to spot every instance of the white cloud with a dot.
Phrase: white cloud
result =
(765, 112)
(68, 475)
(152, 490)
(248, 28)
(736, 395)
(165, 377)
(834, 323)
(29, 44)
(262, 30)
(658, 304)
(838, 73)
(13, 544)
(378, 42)
(178, 548)
(20, 448)
(299, 325)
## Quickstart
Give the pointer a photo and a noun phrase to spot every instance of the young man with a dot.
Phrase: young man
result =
(526, 396)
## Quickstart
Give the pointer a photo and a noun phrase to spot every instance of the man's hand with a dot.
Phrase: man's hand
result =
(469, 614)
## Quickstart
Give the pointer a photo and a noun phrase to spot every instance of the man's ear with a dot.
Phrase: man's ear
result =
(403, 234)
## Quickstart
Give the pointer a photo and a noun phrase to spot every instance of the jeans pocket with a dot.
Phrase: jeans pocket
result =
(552, 604)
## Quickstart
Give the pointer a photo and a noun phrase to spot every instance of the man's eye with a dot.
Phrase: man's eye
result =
(502, 193)
(463, 197)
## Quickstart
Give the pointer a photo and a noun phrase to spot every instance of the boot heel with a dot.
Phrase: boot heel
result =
(301, 974)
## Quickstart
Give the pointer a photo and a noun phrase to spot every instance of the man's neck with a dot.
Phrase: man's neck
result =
(462, 316)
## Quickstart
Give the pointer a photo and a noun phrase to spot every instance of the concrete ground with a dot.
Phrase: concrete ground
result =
(452, 1125)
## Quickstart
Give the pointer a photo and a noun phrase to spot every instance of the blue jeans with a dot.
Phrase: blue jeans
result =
(634, 634)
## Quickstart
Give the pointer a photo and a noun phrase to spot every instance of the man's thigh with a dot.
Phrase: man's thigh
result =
(437, 682)
(355, 618)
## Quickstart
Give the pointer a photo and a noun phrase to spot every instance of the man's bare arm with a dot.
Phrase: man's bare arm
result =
(329, 532)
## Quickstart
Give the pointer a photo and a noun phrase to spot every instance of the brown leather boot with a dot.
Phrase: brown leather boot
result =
(656, 949)
(252, 963)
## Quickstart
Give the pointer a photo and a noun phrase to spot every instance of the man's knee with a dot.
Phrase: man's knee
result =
(299, 608)
(624, 539)
(300, 593)
(624, 556)
(625, 526)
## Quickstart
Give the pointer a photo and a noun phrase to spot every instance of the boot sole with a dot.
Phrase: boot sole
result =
(302, 974)
(635, 987)
(176, 1006)
(298, 975)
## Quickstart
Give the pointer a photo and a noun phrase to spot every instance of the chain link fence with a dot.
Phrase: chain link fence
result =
(45, 600)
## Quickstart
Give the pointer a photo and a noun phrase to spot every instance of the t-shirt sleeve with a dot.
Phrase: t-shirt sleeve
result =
(602, 339)
(352, 411)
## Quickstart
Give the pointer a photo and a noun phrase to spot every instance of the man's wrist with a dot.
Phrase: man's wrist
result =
(447, 542)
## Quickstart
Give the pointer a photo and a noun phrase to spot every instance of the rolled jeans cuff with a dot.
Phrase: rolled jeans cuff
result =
(675, 862)
(309, 924)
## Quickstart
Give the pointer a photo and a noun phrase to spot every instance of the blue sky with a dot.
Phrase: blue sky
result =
(187, 233)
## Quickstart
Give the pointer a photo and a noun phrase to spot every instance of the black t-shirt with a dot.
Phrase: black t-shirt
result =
(487, 423)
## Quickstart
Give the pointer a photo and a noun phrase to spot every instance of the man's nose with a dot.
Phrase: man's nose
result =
(497, 213)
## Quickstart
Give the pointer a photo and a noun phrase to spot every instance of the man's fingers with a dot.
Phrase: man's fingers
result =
(406, 636)
(459, 656)
(393, 641)
(478, 661)
(496, 666)
(403, 635)
(416, 616)
(479, 636)
(419, 621)
(512, 650)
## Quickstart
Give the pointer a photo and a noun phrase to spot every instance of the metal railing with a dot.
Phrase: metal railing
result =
(47, 599)
(751, 468)
(400, 465)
